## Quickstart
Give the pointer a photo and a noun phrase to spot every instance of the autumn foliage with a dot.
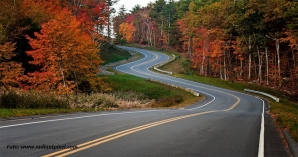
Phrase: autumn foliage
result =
(8, 77)
(253, 41)
(62, 51)
(54, 46)
(126, 30)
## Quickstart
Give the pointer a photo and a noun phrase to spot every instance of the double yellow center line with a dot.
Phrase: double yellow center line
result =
(111, 137)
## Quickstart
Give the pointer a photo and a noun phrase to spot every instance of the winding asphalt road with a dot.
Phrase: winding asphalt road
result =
(225, 123)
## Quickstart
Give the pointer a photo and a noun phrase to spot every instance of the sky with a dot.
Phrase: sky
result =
(129, 4)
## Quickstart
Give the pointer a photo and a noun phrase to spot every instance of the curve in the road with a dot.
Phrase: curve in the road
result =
(148, 74)
(229, 124)
(227, 100)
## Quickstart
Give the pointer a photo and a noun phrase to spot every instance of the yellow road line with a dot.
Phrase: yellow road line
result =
(111, 137)
(101, 140)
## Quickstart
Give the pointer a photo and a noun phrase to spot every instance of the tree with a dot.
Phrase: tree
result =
(65, 53)
(120, 18)
(111, 10)
(135, 9)
(11, 29)
(9, 69)
(158, 12)
(275, 24)
(126, 30)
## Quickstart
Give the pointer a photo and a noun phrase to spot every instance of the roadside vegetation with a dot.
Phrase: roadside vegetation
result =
(284, 112)
(162, 95)
(129, 92)
(110, 53)
(55, 47)
(124, 92)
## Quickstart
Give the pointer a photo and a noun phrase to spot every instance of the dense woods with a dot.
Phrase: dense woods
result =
(237, 40)
(53, 45)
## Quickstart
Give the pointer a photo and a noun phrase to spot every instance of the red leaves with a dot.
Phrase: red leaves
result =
(129, 18)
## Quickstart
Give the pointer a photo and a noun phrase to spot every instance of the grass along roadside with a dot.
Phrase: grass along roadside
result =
(129, 92)
(7, 113)
(162, 95)
(110, 53)
(284, 112)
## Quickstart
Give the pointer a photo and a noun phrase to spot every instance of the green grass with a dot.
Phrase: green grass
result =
(6, 113)
(165, 96)
(285, 112)
(126, 89)
(179, 66)
(110, 53)
(286, 115)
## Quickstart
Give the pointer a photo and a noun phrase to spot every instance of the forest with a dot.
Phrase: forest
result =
(53, 45)
(252, 41)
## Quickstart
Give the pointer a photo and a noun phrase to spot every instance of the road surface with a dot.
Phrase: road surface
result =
(225, 123)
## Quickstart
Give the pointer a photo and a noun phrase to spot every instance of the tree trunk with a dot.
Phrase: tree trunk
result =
(202, 64)
(189, 46)
(267, 66)
(220, 68)
(277, 43)
(260, 65)
(254, 64)
(294, 60)
(225, 68)
(109, 30)
(241, 71)
(161, 30)
(249, 62)
(168, 42)
(62, 73)
(76, 80)
(61, 69)
(207, 66)
(154, 39)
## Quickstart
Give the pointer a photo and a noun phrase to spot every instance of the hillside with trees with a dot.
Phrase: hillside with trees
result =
(237, 40)
(53, 45)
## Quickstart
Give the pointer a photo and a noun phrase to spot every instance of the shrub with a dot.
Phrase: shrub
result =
(31, 99)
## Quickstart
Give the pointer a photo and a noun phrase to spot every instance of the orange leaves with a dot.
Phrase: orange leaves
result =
(9, 70)
(61, 50)
(40, 11)
(43, 81)
(126, 30)
(63, 36)
(291, 38)
(6, 51)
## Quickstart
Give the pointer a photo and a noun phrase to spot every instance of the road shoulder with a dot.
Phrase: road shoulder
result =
(275, 144)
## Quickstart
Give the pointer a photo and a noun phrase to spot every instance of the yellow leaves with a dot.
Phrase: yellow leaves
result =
(126, 30)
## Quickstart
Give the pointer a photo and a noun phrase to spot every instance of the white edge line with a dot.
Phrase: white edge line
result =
(54, 120)
(261, 141)
(132, 68)
(262, 133)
